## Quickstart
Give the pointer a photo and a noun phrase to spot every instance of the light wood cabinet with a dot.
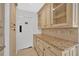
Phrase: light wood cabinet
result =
(62, 15)
(46, 47)
(40, 44)
(54, 15)
(47, 11)
(42, 18)
(59, 13)
(35, 41)
(47, 52)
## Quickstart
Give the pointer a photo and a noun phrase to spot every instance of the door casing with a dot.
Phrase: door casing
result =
(12, 29)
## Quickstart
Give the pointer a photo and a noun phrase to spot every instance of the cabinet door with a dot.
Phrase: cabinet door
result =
(34, 41)
(47, 52)
(40, 44)
(47, 11)
(58, 15)
(39, 52)
(62, 15)
(40, 47)
(58, 11)
(51, 14)
(42, 18)
(69, 14)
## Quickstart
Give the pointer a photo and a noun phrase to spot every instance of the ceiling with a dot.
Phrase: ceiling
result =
(32, 7)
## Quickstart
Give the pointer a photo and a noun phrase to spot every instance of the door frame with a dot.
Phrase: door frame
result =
(12, 52)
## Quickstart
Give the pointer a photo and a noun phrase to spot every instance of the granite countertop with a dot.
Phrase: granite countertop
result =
(56, 42)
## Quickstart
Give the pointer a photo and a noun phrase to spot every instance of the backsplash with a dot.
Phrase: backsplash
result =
(63, 33)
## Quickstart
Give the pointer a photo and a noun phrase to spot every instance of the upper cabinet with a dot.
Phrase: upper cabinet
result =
(44, 17)
(58, 12)
(57, 15)
(48, 15)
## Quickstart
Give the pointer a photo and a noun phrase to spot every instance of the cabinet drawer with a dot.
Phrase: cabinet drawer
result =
(48, 53)
(40, 44)
(53, 49)
(77, 50)
(34, 41)
(39, 52)
(70, 52)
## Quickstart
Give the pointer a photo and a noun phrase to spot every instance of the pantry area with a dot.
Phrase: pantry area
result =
(59, 23)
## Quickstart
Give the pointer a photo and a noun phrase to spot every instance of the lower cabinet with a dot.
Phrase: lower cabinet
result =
(47, 52)
(40, 47)
(34, 42)
(39, 52)
(77, 50)
(40, 44)
(43, 48)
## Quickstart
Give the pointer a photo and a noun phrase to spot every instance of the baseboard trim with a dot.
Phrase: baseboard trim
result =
(25, 48)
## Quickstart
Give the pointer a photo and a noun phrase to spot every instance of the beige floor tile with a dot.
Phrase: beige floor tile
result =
(27, 52)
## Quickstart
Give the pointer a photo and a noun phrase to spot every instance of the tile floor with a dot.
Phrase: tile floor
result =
(27, 52)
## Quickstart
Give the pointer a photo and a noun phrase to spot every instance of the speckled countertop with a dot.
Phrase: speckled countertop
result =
(56, 42)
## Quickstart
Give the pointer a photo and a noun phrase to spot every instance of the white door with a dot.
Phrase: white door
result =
(28, 32)
(24, 38)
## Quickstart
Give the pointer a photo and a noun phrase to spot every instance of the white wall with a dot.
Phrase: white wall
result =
(25, 39)
(32, 7)
(6, 29)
